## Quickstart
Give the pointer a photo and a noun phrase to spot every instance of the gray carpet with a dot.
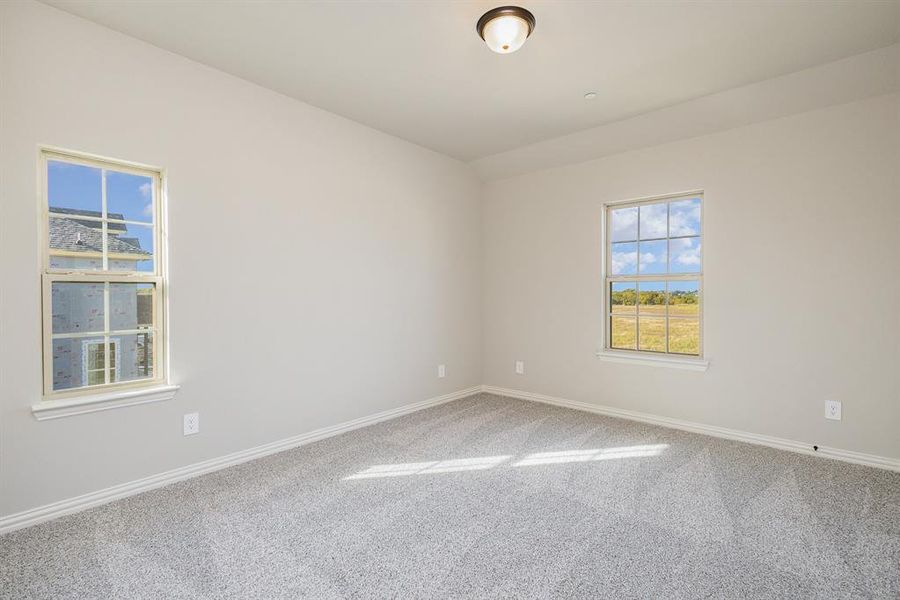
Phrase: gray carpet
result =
(486, 497)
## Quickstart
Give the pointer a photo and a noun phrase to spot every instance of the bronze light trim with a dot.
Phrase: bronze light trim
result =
(503, 11)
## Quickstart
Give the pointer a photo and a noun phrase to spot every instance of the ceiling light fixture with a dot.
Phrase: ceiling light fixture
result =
(505, 29)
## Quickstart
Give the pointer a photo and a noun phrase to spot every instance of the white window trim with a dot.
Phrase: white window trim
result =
(655, 359)
(79, 405)
(112, 395)
(643, 358)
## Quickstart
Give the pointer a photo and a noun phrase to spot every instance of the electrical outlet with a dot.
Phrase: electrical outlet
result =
(833, 410)
(520, 367)
(442, 371)
(191, 423)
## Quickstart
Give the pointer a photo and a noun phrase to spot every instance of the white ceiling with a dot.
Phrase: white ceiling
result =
(849, 79)
(419, 71)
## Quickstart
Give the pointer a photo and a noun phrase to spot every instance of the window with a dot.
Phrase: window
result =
(93, 361)
(102, 273)
(654, 276)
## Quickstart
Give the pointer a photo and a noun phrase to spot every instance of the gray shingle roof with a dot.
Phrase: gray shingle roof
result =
(74, 236)
(114, 227)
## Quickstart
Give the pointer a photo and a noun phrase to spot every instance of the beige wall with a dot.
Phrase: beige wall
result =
(802, 259)
(320, 270)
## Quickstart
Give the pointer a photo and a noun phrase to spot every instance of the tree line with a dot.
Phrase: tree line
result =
(628, 297)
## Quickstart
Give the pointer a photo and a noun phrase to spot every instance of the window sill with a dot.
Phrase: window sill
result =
(79, 405)
(673, 362)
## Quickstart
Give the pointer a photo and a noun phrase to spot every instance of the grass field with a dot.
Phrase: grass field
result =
(684, 329)
(639, 317)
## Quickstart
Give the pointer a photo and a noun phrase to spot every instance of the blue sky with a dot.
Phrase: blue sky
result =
(659, 220)
(79, 187)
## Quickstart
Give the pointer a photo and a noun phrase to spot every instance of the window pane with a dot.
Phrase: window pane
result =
(652, 334)
(668, 243)
(684, 255)
(73, 189)
(78, 362)
(684, 335)
(623, 224)
(135, 356)
(652, 258)
(95, 355)
(623, 333)
(129, 197)
(623, 260)
(76, 244)
(96, 377)
(652, 296)
(653, 221)
(684, 217)
(130, 248)
(623, 297)
(66, 363)
(100, 218)
(130, 305)
(684, 298)
(77, 307)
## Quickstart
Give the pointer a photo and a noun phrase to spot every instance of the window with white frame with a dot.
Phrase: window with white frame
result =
(102, 274)
(654, 275)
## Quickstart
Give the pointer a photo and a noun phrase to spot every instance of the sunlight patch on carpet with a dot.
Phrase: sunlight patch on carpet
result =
(481, 463)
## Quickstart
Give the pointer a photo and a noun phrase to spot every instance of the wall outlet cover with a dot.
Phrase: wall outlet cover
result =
(191, 423)
(520, 367)
(442, 370)
(833, 410)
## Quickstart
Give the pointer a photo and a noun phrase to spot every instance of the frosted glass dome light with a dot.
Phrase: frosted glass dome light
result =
(506, 28)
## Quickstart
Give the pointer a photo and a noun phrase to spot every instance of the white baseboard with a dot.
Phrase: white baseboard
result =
(64, 507)
(78, 503)
(870, 460)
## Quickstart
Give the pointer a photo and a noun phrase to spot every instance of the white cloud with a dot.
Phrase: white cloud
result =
(684, 218)
(624, 224)
(686, 251)
(656, 221)
(623, 262)
(653, 221)
(145, 189)
(648, 258)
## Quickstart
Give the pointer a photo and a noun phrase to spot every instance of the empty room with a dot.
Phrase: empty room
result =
(449, 299)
